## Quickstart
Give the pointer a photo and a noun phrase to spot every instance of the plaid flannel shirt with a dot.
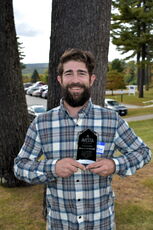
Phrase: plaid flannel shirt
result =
(83, 200)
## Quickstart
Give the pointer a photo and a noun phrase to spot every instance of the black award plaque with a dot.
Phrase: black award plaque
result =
(87, 144)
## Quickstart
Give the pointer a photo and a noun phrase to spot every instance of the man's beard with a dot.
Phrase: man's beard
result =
(76, 99)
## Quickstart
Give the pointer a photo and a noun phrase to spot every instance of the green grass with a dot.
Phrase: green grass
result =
(149, 183)
(137, 212)
(133, 217)
(139, 112)
(21, 208)
(144, 130)
(133, 99)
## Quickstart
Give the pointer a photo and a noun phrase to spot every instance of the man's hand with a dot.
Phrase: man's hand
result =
(67, 166)
(103, 167)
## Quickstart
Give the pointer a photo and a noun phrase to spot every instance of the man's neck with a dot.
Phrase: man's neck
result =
(73, 111)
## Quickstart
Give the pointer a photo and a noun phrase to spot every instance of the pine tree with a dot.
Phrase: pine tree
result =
(118, 65)
(13, 109)
(21, 54)
(35, 76)
(132, 31)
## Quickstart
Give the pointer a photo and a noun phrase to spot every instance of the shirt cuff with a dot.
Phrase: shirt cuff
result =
(54, 167)
(117, 165)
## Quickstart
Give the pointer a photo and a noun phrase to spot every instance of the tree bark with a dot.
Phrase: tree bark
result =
(143, 56)
(13, 109)
(79, 24)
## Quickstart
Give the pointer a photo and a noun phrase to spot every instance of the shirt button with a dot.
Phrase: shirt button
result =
(78, 199)
(77, 180)
(80, 219)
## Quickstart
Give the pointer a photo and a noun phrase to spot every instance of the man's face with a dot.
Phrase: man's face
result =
(76, 83)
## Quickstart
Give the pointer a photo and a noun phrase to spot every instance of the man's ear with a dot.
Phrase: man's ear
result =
(92, 79)
(59, 79)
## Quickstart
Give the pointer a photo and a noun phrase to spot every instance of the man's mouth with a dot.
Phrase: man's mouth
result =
(75, 87)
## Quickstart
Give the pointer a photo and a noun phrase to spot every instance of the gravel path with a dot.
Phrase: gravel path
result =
(139, 118)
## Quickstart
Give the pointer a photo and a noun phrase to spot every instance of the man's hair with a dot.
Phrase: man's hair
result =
(77, 55)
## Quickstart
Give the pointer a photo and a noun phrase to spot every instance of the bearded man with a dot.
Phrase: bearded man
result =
(78, 140)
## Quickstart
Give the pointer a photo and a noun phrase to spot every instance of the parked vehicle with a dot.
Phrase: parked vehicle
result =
(38, 83)
(114, 105)
(35, 110)
(45, 94)
(32, 89)
(38, 93)
(44, 88)
(27, 85)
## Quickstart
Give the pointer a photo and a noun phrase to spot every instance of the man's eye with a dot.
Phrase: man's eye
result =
(68, 74)
(83, 73)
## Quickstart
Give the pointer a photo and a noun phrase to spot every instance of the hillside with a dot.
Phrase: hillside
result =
(40, 67)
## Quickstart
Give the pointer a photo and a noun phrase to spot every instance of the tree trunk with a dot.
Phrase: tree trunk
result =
(79, 24)
(147, 76)
(143, 72)
(13, 110)
(138, 70)
(142, 76)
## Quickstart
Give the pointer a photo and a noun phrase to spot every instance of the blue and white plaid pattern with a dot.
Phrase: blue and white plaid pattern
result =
(84, 200)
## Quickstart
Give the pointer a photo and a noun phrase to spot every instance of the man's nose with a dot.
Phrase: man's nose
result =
(75, 77)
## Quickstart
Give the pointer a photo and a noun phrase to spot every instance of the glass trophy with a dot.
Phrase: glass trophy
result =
(87, 145)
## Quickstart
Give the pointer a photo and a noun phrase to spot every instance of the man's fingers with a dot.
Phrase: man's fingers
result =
(98, 170)
(73, 168)
(80, 166)
(95, 165)
(68, 166)
(104, 167)
(77, 164)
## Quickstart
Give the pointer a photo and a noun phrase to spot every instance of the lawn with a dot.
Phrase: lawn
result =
(21, 208)
(139, 112)
(134, 194)
(133, 99)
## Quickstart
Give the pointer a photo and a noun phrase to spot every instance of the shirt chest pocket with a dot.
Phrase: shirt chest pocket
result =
(105, 144)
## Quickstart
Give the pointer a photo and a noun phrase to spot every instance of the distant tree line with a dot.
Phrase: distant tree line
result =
(35, 76)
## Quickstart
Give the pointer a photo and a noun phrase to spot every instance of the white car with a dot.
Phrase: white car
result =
(31, 89)
(35, 110)
(114, 105)
(38, 92)
(45, 94)
(26, 86)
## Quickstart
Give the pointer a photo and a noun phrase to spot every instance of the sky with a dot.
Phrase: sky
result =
(33, 27)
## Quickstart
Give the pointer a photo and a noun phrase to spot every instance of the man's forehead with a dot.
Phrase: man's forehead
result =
(74, 66)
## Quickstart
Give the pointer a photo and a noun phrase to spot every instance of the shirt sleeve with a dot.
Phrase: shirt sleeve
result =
(27, 165)
(135, 153)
